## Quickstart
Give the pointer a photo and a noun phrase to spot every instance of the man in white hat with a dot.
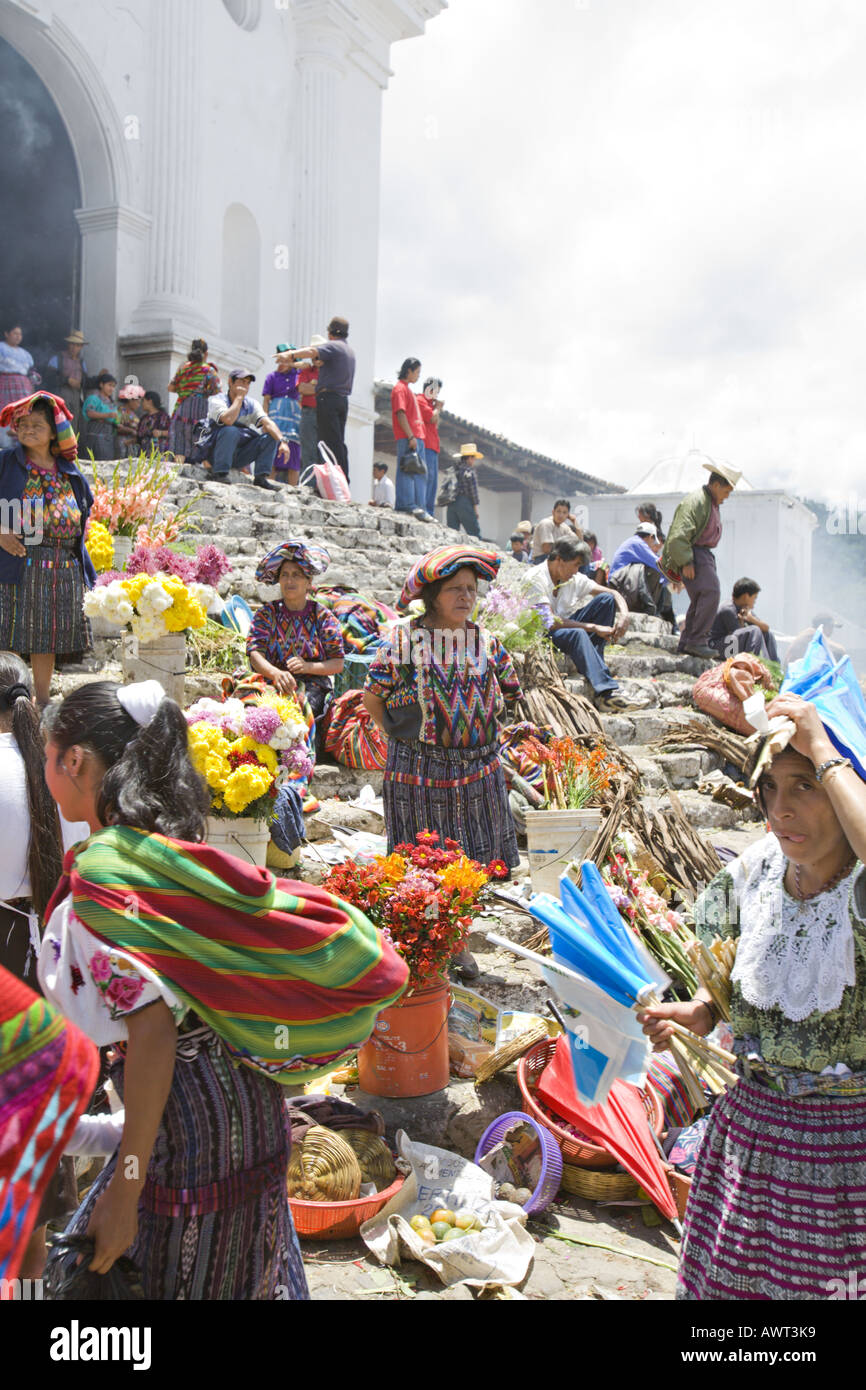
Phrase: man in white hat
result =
(688, 555)
(463, 511)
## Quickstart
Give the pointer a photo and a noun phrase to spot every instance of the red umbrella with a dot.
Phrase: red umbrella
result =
(619, 1124)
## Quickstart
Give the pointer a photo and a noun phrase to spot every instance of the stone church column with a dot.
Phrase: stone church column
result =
(321, 47)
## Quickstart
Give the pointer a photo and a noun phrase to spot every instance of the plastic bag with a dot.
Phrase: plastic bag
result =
(499, 1254)
(833, 689)
(331, 481)
(68, 1282)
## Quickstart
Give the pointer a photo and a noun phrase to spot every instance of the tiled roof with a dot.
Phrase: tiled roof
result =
(478, 433)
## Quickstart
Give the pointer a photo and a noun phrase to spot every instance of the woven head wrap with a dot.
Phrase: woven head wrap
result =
(67, 442)
(312, 559)
(439, 564)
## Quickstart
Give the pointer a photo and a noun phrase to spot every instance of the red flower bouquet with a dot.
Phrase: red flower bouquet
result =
(422, 897)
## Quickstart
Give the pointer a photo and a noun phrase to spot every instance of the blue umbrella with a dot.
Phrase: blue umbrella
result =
(595, 891)
(574, 945)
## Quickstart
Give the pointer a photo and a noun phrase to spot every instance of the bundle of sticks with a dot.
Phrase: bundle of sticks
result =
(732, 747)
(546, 699)
(713, 965)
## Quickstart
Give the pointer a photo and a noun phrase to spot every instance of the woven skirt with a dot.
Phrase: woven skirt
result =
(777, 1208)
(183, 422)
(214, 1221)
(458, 792)
(43, 612)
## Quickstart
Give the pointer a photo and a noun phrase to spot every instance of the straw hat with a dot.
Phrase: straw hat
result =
(526, 528)
(76, 338)
(725, 471)
(469, 451)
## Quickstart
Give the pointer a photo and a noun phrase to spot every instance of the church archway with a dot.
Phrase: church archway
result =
(241, 297)
(40, 264)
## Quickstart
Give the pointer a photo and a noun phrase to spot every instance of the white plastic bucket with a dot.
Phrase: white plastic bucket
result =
(122, 551)
(553, 839)
(163, 660)
(245, 838)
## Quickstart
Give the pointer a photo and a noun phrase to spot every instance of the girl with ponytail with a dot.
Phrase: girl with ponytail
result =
(218, 984)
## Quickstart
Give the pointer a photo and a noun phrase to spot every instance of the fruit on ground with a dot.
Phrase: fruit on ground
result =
(441, 1228)
(419, 1223)
(443, 1214)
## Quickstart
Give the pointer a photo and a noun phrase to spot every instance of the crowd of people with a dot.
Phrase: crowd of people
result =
(107, 888)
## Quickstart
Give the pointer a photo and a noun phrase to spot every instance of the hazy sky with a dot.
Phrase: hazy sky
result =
(616, 227)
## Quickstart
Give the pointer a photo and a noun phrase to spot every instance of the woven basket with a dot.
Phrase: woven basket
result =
(581, 1153)
(323, 1168)
(339, 1220)
(598, 1185)
(373, 1155)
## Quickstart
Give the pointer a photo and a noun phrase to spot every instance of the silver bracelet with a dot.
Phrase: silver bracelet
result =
(831, 762)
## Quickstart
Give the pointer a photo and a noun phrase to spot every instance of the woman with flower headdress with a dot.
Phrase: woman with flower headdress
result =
(219, 986)
(42, 585)
(294, 641)
(129, 418)
(437, 689)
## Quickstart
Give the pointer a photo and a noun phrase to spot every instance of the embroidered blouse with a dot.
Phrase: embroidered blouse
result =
(149, 425)
(313, 634)
(195, 379)
(460, 688)
(799, 980)
(61, 514)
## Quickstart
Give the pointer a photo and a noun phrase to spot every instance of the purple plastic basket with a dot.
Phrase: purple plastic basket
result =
(551, 1156)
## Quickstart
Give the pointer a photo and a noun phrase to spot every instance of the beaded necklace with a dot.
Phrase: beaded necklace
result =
(825, 888)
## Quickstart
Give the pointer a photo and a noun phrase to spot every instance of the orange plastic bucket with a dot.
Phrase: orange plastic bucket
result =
(408, 1052)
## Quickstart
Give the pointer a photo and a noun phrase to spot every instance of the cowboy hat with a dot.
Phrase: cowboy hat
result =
(525, 527)
(725, 471)
(76, 337)
(469, 451)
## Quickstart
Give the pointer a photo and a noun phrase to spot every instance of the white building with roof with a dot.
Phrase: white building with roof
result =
(767, 535)
(197, 168)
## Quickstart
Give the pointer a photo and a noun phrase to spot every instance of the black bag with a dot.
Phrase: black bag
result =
(448, 491)
(203, 440)
(413, 465)
(68, 1282)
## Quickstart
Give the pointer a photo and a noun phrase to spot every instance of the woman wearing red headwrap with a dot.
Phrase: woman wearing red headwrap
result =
(44, 565)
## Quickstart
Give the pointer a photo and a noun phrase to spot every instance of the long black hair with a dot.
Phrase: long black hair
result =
(45, 850)
(409, 366)
(150, 782)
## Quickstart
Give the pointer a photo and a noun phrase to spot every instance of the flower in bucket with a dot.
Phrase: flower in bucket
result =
(100, 546)
(423, 898)
(246, 753)
(573, 775)
(150, 606)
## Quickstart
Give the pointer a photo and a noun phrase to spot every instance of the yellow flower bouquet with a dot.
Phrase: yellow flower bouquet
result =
(150, 605)
(100, 546)
(247, 753)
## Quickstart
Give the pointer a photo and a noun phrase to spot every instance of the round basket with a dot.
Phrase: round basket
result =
(323, 1168)
(339, 1220)
(580, 1152)
(551, 1158)
(598, 1184)
(373, 1155)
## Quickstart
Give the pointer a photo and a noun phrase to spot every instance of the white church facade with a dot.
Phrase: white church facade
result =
(223, 160)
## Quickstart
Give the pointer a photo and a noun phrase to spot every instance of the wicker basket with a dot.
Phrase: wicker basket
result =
(598, 1185)
(373, 1155)
(580, 1153)
(323, 1168)
(339, 1220)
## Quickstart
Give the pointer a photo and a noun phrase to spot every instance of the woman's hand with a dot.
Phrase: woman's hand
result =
(284, 681)
(114, 1222)
(297, 666)
(656, 1022)
(688, 571)
(811, 738)
(11, 544)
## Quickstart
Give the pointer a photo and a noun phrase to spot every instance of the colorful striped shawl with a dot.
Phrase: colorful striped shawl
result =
(290, 977)
(48, 1070)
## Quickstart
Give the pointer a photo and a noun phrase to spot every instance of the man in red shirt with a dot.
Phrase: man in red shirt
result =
(309, 426)
(409, 434)
(430, 407)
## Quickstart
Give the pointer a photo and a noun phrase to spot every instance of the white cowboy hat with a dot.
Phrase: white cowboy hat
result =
(725, 471)
(469, 451)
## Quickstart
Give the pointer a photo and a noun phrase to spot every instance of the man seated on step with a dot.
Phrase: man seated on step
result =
(559, 526)
(737, 628)
(244, 433)
(635, 573)
(580, 616)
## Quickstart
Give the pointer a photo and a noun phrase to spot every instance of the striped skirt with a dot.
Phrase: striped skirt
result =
(777, 1208)
(44, 612)
(183, 422)
(214, 1221)
(458, 792)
